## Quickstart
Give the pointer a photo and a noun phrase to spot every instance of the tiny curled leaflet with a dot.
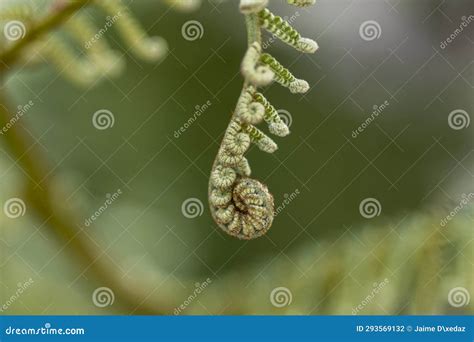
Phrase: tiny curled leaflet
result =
(242, 206)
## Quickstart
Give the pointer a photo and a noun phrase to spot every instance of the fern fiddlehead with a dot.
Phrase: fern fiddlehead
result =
(242, 206)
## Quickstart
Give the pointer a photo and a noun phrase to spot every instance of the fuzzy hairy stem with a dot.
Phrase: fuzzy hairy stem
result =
(244, 209)
(241, 206)
(253, 29)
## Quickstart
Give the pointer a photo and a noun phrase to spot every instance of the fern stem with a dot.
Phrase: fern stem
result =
(253, 29)
(241, 206)
(65, 226)
(245, 209)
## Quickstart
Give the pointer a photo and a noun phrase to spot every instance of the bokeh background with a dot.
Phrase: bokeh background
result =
(322, 253)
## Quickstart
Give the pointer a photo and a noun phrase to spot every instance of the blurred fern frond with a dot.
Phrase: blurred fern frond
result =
(413, 266)
(32, 35)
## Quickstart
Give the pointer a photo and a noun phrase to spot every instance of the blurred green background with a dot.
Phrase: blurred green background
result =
(408, 158)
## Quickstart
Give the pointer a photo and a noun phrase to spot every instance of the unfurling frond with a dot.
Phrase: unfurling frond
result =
(275, 124)
(242, 206)
(100, 53)
(258, 75)
(284, 76)
(265, 143)
(247, 109)
(144, 46)
(76, 69)
(283, 30)
(98, 59)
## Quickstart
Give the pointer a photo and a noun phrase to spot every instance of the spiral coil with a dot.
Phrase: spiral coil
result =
(241, 206)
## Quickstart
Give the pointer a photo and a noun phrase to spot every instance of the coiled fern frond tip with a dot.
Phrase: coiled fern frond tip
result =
(242, 206)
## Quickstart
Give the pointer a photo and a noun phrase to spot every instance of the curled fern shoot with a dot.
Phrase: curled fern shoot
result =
(242, 206)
